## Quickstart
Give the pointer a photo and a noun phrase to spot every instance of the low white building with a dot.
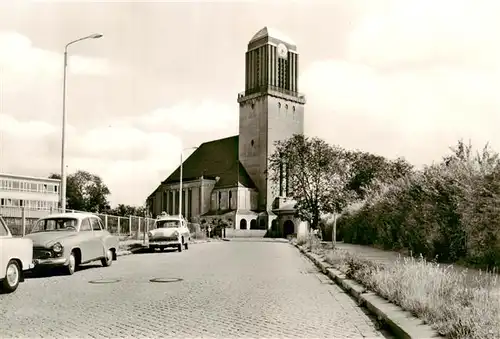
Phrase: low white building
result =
(33, 193)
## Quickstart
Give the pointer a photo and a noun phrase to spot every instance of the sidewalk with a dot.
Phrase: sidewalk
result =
(389, 257)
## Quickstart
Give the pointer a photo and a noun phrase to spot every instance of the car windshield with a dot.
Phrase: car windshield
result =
(167, 223)
(55, 224)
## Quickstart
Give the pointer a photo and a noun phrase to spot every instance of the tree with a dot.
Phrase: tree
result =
(369, 172)
(365, 167)
(85, 192)
(317, 176)
(126, 210)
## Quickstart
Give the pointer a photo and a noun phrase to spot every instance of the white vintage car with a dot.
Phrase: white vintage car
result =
(16, 256)
(169, 231)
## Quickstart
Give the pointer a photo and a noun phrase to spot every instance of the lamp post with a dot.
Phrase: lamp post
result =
(63, 137)
(180, 181)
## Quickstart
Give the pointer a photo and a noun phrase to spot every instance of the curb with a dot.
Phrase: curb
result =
(402, 323)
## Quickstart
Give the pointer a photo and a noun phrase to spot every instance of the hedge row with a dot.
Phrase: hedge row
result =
(449, 211)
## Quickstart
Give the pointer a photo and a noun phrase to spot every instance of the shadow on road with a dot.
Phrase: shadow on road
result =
(145, 250)
(55, 271)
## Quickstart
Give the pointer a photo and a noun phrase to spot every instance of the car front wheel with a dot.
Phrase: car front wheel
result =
(12, 277)
(70, 268)
(108, 260)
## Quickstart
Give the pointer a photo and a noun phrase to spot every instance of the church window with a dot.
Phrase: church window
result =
(230, 198)
(286, 106)
(279, 104)
(293, 108)
(164, 201)
(190, 203)
(253, 105)
(252, 142)
(220, 199)
(176, 201)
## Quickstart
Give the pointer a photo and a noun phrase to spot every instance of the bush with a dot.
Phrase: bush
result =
(302, 240)
(194, 227)
(442, 297)
(446, 211)
(199, 235)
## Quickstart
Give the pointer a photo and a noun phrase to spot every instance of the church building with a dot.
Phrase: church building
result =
(227, 178)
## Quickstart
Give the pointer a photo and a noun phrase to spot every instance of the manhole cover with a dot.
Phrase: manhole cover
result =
(165, 280)
(104, 281)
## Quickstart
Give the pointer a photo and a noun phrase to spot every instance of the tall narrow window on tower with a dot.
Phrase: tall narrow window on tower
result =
(282, 74)
(257, 70)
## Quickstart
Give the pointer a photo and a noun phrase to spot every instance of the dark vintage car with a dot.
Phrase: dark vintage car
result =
(68, 240)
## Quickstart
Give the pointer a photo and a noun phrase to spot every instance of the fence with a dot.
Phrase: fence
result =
(21, 220)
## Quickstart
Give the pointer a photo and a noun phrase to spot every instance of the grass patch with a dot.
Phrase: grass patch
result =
(454, 304)
(311, 243)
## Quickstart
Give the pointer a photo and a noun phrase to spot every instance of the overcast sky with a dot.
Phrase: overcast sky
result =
(397, 78)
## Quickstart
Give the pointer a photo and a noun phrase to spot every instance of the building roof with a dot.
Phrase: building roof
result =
(273, 33)
(27, 177)
(217, 158)
(213, 213)
(154, 192)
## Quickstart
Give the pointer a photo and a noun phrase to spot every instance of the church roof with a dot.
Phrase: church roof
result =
(217, 158)
(273, 33)
(154, 192)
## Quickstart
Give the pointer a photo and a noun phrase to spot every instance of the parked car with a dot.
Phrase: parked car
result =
(169, 231)
(16, 257)
(68, 240)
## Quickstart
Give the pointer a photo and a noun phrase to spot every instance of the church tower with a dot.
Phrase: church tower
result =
(271, 108)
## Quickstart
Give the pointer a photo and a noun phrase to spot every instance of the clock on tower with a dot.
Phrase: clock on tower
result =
(282, 51)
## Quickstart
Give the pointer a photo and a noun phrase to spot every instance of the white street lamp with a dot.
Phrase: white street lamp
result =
(180, 181)
(63, 146)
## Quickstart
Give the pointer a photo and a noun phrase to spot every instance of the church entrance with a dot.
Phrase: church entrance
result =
(262, 224)
(243, 224)
(253, 224)
(288, 228)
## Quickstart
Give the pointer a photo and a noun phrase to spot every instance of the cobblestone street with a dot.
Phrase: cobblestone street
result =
(229, 289)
